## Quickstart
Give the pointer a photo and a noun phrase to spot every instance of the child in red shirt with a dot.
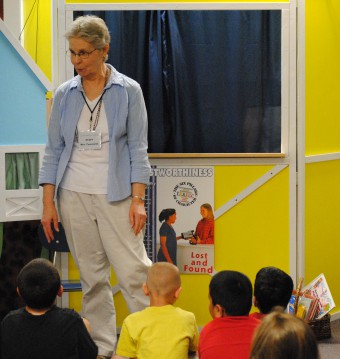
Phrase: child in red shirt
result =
(230, 333)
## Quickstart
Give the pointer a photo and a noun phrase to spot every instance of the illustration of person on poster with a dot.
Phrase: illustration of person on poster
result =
(204, 233)
(167, 237)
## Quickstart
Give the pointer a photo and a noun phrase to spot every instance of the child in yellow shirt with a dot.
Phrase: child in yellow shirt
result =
(161, 330)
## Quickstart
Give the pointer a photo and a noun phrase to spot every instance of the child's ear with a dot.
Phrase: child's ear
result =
(60, 291)
(146, 289)
(218, 311)
(18, 291)
(255, 301)
(178, 291)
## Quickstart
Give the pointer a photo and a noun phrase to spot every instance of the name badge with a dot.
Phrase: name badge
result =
(89, 140)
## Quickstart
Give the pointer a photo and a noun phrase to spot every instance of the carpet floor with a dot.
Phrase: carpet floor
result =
(330, 348)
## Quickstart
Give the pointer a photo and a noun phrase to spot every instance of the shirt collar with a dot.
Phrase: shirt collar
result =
(115, 78)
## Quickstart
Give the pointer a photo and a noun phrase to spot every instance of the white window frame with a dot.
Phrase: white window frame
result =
(19, 204)
(64, 69)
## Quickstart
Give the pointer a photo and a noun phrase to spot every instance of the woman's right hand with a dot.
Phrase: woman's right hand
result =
(50, 215)
(195, 240)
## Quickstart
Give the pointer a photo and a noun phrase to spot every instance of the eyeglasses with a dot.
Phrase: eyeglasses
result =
(82, 54)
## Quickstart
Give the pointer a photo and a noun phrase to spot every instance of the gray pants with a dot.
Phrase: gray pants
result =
(100, 236)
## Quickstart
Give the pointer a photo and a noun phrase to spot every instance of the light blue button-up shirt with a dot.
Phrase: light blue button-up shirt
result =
(127, 124)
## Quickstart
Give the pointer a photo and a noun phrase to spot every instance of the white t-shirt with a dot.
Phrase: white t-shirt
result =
(87, 170)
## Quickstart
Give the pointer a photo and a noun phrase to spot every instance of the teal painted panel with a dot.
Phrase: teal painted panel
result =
(22, 100)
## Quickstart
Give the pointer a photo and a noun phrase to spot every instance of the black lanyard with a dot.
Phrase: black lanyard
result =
(98, 112)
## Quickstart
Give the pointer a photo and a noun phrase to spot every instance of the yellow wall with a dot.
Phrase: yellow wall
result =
(254, 233)
(38, 34)
(323, 224)
(322, 76)
(323, 136)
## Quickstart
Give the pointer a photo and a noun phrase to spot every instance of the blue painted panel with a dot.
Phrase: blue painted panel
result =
(22, 100)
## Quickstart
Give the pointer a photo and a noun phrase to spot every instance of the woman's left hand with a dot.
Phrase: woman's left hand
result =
(137, 215)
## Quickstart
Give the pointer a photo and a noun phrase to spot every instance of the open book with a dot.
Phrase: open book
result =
(319, 289)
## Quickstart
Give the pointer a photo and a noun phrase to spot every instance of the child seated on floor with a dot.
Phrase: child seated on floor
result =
(230, 333)
(161, 330)
(41, 330)
(273, 287)
(283, 336)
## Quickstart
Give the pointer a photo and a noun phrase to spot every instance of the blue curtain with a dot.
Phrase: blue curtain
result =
(211, 79)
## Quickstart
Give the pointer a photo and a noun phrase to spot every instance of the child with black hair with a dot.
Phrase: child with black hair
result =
(168, 239)
(272, 288)
(230, 333)
(41, 330)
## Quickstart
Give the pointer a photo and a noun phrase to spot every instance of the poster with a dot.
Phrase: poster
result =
(185, 189)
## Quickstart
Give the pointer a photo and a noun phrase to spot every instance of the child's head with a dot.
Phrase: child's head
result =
(166, 213)
(273, 287)
(230, 294)
(39, 284)
(163, 281)
(282, 335)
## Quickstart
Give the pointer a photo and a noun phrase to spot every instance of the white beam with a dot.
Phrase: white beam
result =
(12, 16)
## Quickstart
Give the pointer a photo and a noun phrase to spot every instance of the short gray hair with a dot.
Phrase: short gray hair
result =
(91, 29)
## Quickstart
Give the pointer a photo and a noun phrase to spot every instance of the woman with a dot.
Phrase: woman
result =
(96, 166)
(168, 240)
(283, 336)
(204, 233)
